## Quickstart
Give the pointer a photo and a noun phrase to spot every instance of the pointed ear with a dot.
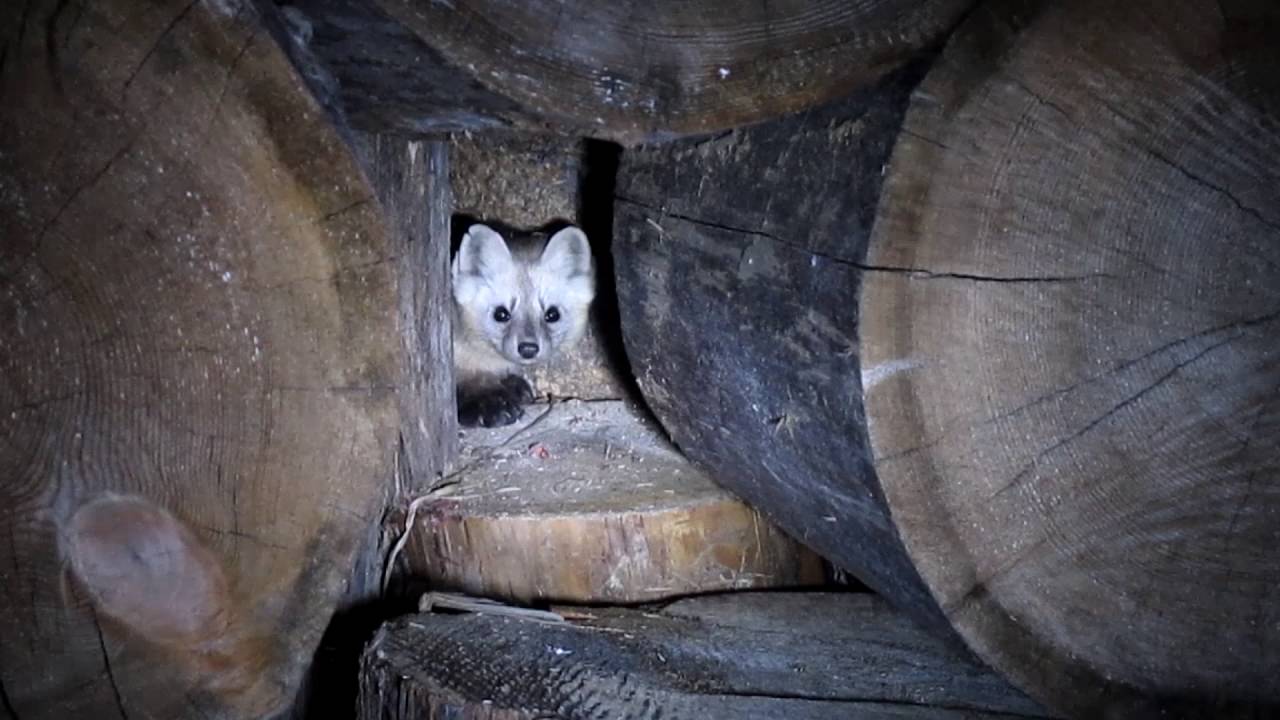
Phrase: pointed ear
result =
(567, 254)
(483, 252)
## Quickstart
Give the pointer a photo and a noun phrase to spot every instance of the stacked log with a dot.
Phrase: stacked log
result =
(199, 366)
(1034, 402)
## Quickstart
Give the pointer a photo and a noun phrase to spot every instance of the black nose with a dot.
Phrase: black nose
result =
(527, 350)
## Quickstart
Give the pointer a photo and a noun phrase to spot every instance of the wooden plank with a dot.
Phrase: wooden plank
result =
(586, 502)
(733, 657)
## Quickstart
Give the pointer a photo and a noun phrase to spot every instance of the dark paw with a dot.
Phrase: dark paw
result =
(494, 406)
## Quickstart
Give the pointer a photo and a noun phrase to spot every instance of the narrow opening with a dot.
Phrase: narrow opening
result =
(584, 482)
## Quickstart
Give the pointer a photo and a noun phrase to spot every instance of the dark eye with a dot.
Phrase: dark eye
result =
(501, 314)
(552, 314)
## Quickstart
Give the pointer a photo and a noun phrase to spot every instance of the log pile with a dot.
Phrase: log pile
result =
(992, 329)
(1032, 383)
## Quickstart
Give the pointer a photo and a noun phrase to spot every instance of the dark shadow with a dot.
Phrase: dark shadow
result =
(332, 685)
(596, 183)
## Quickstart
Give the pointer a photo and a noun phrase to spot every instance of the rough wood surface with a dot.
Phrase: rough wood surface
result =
(738, 270)
(411, 179)
(627, 71)
(414, 190)
(1072, 338)
(199, 332)
(585, 502)
(733, 657)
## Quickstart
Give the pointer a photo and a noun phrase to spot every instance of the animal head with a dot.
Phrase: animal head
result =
(527, 302)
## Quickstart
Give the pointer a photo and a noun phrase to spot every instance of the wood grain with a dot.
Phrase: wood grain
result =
(196, 385)
(627, 71)
(415, 194)
(738, 265)
(584, 502)
(1071, 322)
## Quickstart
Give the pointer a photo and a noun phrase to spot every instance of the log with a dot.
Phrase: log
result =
(737, 272)
(197, 397)
(729, 657)
(583, 502)
(1073, 327)
(1040, 408)
(626, 71)
(411, 178)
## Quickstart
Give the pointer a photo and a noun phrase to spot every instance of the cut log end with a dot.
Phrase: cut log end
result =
(1075, 297)
(585, 503)
(196, 311)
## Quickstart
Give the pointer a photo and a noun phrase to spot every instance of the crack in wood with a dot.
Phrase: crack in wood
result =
(51, 44)
(231, 71)
(240, 534)
(347, 208)
(1026, 470)
(71, 198)
(855, 702)
(6, 702)
(75, 22)
(106, 661)
(912, 272)
(1149, 151)
(1127, 364)
(156, 45)
(1193, 177)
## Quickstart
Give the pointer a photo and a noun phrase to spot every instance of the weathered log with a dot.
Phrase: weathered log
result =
(621, 70)
(586, 503)
(728, 657)
(196, 386)
(411, 178)
(1073, 335)
(737, 270)
(1066, 338)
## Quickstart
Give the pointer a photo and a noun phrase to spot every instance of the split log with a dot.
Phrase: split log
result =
(586, 503)
(1064, 329)
(200, 355)
(730, 657)
(622, 70)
